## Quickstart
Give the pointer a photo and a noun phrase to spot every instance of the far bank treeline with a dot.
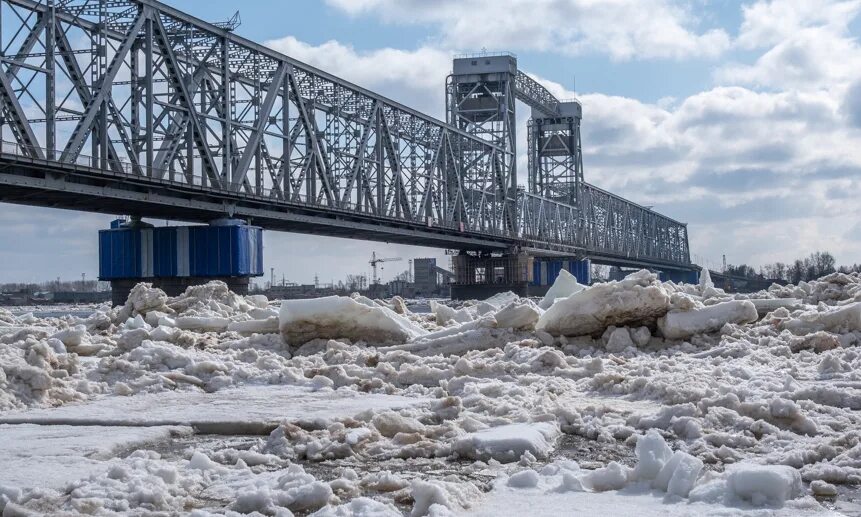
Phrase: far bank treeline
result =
(813, 266)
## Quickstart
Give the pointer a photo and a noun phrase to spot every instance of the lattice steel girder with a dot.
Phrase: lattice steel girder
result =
(480, 99)
(607, 226)
(535, 95)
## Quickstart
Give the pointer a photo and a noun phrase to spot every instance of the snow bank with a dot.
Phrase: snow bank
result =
(684, 324)
(341, 317)
(637, 300)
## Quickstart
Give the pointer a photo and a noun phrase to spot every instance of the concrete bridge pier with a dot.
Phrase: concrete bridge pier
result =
(679, 276)
(545, 270)
(173, 258)
(479, 275)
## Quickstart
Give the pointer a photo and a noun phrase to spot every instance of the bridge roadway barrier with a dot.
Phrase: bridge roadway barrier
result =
(176, 257)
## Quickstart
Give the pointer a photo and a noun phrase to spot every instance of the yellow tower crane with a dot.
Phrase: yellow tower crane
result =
(374, 261)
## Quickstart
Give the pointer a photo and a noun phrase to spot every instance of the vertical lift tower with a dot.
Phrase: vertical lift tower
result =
(481, 94)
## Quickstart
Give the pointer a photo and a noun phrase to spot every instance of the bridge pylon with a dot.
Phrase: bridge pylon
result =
(555, 154)
(480, 99)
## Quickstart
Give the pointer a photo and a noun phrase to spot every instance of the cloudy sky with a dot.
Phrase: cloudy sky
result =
(741, 118)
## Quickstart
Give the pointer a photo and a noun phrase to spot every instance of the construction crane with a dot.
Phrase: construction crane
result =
(374, 261)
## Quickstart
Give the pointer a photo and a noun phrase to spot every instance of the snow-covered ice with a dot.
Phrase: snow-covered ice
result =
(564, 286)
(636, 300)
(684, 324)
(242, 410)
(50, 456)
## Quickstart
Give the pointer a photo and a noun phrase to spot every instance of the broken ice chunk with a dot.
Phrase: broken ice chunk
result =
(565, 285)
(764, 484)
(506, 443)
(336, 317)
(684, 324)
(636, 300)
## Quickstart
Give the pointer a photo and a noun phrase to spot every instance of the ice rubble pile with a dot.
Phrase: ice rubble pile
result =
(734, 380)
(143, 346)
(144, 483)
(32, 373)
(35, 366)
(833, 289)
(209, 307)
(628, 313)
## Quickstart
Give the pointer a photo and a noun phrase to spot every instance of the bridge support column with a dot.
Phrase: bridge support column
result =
(175, 257)
(480, 275)
(679, 276)
(546, 270)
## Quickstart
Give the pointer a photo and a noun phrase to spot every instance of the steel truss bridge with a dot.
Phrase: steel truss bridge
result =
(134, 107)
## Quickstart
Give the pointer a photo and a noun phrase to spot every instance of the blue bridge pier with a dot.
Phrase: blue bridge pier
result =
(480, 275)
(175, 257)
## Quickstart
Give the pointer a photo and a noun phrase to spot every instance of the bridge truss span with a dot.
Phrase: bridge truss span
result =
(612, 229)
(535, 95)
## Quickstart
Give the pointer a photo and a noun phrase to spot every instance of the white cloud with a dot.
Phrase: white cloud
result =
(768, 23)
(621, 29)
(809, 59)
(760, 176)
(807, 43)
